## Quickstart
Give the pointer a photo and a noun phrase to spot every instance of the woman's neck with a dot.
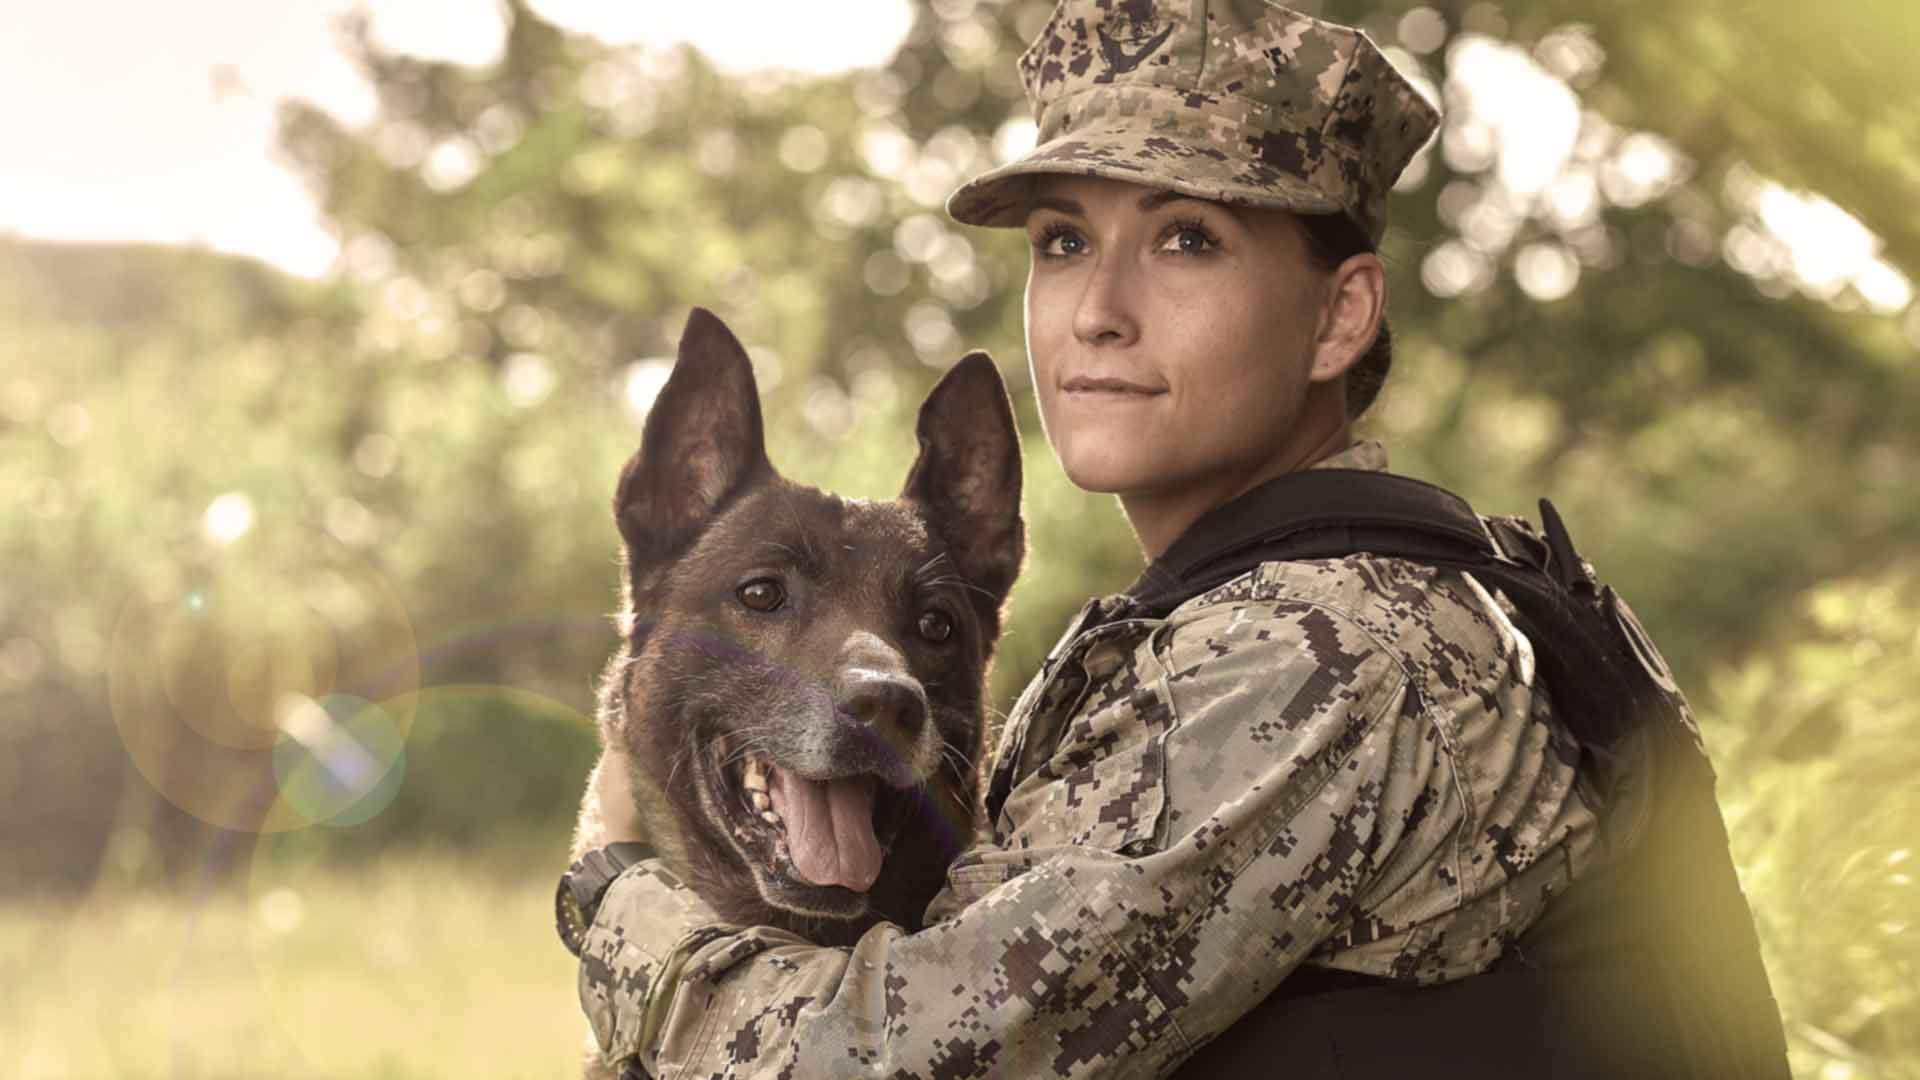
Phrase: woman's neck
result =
(1159, 518)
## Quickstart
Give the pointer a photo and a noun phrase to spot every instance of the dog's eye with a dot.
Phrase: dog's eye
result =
(935, 626)
(762, 595)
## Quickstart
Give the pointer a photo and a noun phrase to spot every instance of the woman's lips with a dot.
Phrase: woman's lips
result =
(1090, 386)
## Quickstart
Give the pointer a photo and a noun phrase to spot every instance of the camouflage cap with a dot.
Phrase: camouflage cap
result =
(1240, 101)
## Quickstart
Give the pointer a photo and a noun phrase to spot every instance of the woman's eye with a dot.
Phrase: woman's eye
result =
(935, 626)
(763, 594)
(1059, 241)
(1189, 240)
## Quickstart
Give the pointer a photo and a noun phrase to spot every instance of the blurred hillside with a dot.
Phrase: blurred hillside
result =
(1658, 266)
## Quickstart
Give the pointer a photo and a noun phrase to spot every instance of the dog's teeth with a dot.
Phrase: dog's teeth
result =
(760, 800)
(754, 779)
(771, 818)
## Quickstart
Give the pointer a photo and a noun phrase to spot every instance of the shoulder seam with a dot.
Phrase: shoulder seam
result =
(1286, 600)
(1264, 593)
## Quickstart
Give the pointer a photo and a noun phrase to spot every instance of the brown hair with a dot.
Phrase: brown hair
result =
(1331, 240)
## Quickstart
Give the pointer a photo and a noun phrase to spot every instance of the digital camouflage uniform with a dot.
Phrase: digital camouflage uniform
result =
(1340, 763)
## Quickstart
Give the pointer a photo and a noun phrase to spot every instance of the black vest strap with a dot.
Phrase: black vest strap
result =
(1318, 514)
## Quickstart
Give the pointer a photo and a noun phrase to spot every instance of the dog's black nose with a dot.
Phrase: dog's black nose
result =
(887, 703)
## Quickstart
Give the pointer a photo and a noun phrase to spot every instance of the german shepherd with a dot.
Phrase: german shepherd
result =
(795, 714)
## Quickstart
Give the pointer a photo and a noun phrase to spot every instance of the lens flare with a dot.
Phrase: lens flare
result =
(211, 685)
(339, 760)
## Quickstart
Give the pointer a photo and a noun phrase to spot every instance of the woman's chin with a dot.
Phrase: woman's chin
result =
(1110, 463)
(1104, 477)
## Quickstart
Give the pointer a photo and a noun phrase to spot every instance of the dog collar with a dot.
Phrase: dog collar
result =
(578, 898)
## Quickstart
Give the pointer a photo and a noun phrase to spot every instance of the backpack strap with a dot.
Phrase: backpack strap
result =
(1327, 513)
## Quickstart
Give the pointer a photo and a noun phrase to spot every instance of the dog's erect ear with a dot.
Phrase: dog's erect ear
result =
(703, 442)
(968, 474)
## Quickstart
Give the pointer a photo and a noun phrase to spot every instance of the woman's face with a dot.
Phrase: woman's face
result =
(1175, 342)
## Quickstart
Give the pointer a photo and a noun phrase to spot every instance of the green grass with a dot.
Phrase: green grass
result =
(417, 966)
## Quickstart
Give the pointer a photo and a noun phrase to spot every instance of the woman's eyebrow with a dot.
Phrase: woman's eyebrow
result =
(1051, 202)
(1154, 200)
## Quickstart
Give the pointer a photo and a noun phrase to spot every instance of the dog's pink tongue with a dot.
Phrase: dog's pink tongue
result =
(829, 829)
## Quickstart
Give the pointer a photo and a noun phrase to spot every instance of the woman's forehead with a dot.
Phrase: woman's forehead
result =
(1084, 196)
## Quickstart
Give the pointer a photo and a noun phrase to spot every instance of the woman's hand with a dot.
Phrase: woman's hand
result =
(609, 814)
(617, 807)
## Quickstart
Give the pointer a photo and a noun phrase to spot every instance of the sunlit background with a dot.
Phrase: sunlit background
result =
(323, 336)
(155, 123)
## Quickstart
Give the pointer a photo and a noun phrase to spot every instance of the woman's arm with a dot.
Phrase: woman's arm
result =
(1245, 759)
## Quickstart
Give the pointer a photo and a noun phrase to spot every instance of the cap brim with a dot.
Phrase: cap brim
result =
(1001, 197)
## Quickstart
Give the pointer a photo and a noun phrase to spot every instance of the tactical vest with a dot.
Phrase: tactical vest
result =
(1647, 966)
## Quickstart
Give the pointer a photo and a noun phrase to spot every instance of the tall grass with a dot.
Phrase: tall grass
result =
(417, 966)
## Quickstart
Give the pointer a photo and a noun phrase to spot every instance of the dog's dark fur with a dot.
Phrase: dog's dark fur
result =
(870, 664)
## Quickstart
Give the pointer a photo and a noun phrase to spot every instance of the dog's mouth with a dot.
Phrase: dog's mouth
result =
(825, 826)
(829, 833)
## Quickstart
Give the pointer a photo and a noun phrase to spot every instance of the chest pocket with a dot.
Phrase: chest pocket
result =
(1093, 770)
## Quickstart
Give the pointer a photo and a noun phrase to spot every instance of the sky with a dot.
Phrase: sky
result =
(127, 121)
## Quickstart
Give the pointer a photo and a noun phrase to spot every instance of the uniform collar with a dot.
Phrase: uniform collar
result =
(1367, 455)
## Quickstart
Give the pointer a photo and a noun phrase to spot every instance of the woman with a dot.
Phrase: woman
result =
(1337, 765)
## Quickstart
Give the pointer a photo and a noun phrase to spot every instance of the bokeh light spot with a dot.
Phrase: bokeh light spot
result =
(643, 382)
(1454, 269)
(228, 518)
(1546, 271)
(828, 409)
(527, 379)
(451, 164)
(1013, 138)
(803, 148)
(1423, 30)
(280, 910)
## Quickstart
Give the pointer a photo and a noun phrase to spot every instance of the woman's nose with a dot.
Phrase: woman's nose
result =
(1105, 315)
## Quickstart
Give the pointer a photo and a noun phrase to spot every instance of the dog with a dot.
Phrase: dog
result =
(796, 711)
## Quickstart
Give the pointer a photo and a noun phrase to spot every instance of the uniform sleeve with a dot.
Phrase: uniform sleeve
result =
(1205, 821)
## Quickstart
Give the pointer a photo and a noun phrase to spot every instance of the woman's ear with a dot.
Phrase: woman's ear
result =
(1356, 302)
